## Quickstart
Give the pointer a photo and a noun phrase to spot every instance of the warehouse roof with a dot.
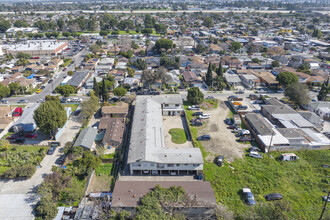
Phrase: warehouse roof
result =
(34, 45)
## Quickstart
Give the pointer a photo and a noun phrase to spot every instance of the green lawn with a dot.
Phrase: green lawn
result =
(104, 169)
(108, 156)
(178, 135)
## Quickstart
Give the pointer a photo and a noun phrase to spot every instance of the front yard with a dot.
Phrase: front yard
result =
(302, 183)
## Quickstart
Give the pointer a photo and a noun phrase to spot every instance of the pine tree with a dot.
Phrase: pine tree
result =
(322, 96)
(104, 91)
(209, 75)
(220, 70)
(96, 88)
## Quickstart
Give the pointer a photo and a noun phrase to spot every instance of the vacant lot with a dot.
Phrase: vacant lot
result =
(13, 155)
(222, 141)
(302, 184)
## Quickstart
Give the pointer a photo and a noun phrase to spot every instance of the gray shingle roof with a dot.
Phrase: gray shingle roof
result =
(86, 138)
(77, 78)
(259, 124)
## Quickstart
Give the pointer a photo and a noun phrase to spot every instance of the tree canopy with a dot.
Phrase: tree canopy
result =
(119, 91)
(287, 78)
(50, 116)
(65, 90)
(195, 96)
(163, 44)
(297, 93)
(235, 46)
(4, 91)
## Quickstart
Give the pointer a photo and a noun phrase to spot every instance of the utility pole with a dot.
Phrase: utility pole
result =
(270, 143)
(325, 205)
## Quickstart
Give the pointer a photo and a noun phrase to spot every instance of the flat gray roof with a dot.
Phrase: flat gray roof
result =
(77, 78)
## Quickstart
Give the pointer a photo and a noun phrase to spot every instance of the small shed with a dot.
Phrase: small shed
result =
(237, 120)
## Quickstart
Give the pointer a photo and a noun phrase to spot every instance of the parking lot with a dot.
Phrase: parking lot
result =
(223, 141)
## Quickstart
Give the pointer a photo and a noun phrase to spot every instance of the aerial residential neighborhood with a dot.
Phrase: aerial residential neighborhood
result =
(164, 110)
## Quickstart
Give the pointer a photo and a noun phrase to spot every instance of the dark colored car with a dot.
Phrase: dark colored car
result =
(248, 196)
(19, 140)
(22, 101)
(232, 127)
(244, 139)
(76, 113)
(242, 107)
(50, 81)
(240, 92)
(197, 123)
(30, 135)
(197, 113)
(42, 87)
(232, 97)
(12, 137)
(229, 121)
(195, 120)
(204, 138)
(273, 196)
(219, 160)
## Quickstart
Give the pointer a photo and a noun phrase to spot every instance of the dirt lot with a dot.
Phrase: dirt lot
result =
(223, 142)
(99, 183)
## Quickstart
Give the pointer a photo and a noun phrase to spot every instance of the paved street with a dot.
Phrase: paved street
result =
(77, 59)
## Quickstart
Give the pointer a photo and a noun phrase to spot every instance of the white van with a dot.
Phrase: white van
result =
(289, 157)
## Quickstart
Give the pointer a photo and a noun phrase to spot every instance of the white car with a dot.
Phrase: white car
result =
(76, 100)
(194, 107)
(204, 116)
(255, 154)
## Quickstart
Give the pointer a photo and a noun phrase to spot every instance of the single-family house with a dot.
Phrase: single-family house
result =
(86, 138)
(118, 110)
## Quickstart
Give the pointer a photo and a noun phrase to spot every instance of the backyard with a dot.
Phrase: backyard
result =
(302, 183)
(178, 135)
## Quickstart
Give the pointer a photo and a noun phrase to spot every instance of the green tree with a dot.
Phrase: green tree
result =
(4, 25)
(86, 164)
(209, 77)
(96, 87)
(21, 55)
(147, 31)
(52, 98)
(286, 78)
(317, 33)
(21, 23)
(163, 44)
(65, 90)
(4, 91)
(235, 46)
(325, 89)
(275, 63)
(160, 28)
(104, 91)
(104, 33)
(200, 48)
(119, 91)
(208, 22)
(297, 93)
(140, 64)
(14, 87)
(46, 208)
(220, 70)
(130, 72)
(195, 96)
(66, 34)
(70, 73)
(50, 116)
(149, 21)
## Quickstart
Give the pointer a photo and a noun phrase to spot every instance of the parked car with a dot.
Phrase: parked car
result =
(38, 91)
(232, 97)
(204, 138)
(197, 113)
(50, 81)
(219, 160)
(42, 87)
(64, 69)
(244, 139)
(255, 154)
(253, 97)
(253, 149)
(237, 130)
(210, 97)
(204, 116)
(51, 151)
(244, 132)
(12, 137)
(240, 92)
(273, 196)
(4, 101)
(248, 196)
(30, 135)
(195, 120)
(41, 100)
(242, 107)
(194, 107)
(229, 121)
(76, 100)
(18, 112)
(197, 123)
(22, 101)
(19, 140)
(77, 112)
(289, 157)
(232, 127)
